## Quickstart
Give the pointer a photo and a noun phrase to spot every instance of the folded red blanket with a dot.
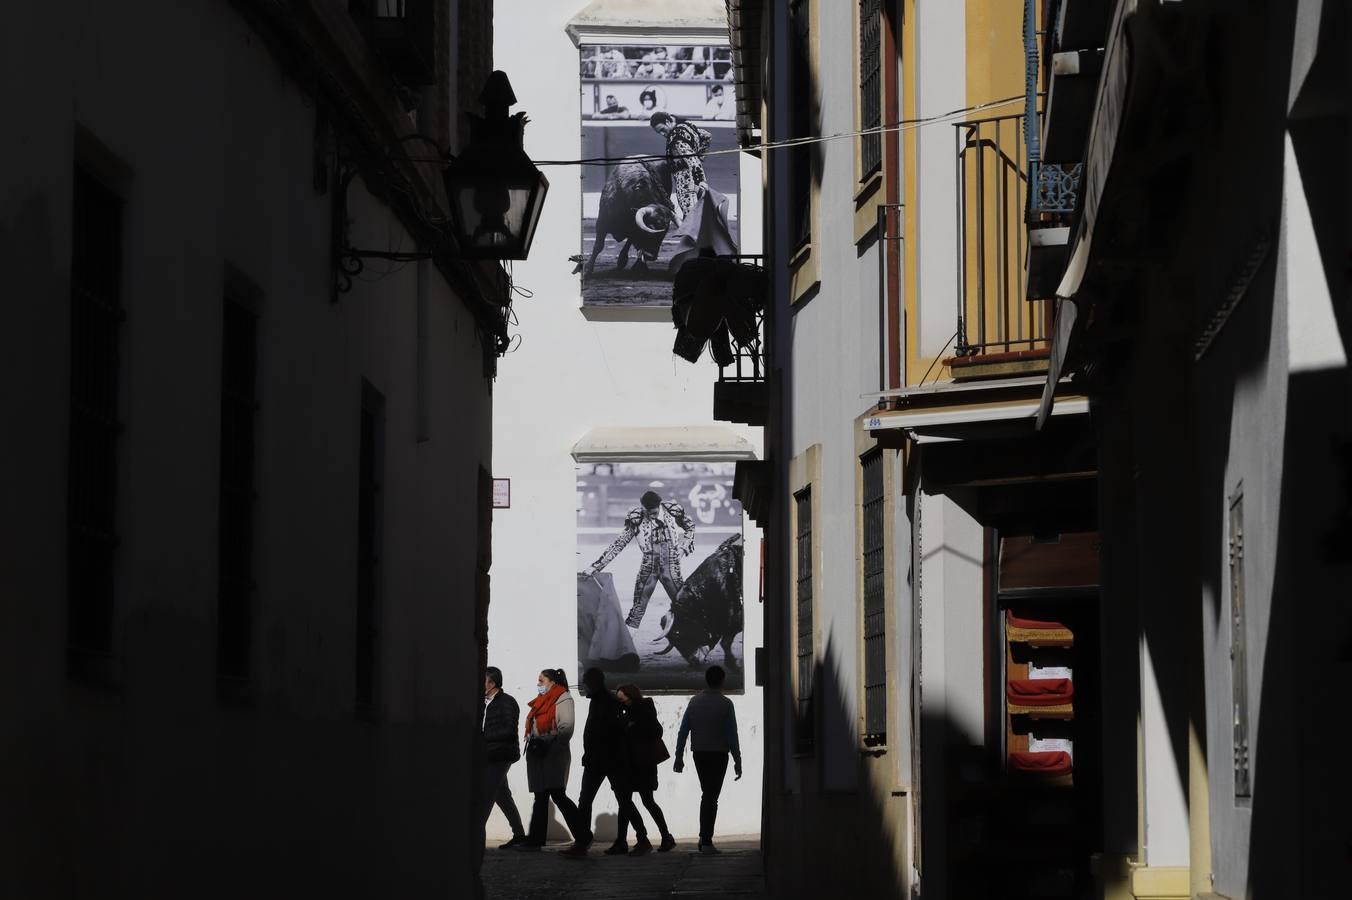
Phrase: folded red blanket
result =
(1041, 624)
(1040, 691)
(1055, 762)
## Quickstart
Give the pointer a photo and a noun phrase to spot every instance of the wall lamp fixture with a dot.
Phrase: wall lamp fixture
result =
(494, 190)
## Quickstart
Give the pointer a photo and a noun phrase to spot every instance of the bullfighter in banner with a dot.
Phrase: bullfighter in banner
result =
(665, 534)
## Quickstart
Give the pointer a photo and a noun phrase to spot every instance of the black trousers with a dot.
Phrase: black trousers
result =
(493, 789)
(653, 810)
(712, 769)
(539, 815)
(592, 780)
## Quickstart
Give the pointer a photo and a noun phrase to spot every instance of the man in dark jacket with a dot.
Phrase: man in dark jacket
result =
(712, 720)
(500, 750)
(605, 749)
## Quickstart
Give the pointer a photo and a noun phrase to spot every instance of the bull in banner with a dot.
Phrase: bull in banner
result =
(635, 209)
(708, 609)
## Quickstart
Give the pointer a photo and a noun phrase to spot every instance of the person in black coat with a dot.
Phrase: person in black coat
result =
(605, 757)
(500, 749)
(646, 750)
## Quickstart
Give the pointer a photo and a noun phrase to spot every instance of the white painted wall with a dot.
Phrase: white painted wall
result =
(1165, 806)
(950, 604)
(570, 375)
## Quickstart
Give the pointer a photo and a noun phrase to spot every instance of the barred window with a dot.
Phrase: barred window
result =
(806, 650)
(370, 527)
(235, 532)
(1239, 679)
(875, 610)
(95, 321)
(870, 85)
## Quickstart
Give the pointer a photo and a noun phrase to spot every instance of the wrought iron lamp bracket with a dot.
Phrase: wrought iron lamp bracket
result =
(348, 261)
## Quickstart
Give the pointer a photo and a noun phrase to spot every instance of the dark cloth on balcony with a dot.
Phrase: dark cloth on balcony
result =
(715, 301)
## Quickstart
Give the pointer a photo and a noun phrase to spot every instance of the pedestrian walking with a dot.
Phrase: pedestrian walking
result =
(646, 751)
(549, 728)
(605, 757)
(710, 718)
(500, 751)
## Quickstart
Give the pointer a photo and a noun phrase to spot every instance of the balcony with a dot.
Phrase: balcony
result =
(718, 305)
(1074, 33)
(1061, 81)
(741, 393)
(1000, 332)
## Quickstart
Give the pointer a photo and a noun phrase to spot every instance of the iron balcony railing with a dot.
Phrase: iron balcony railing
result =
(748, 363)
(1055, 186)
(992, 220)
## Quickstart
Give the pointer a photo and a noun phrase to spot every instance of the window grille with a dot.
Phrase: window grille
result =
(370, 478)
(805, 650)
(800, 122)
(1239, 678)
(95, 319)
(875, 610)
(870, 85)
(235, 533)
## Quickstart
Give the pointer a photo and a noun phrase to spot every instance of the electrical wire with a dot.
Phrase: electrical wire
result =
(785, 144)
(937, 357)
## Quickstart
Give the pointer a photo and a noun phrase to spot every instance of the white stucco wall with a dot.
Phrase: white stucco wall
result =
(951, 600)
(568, 376)
(1164, 805)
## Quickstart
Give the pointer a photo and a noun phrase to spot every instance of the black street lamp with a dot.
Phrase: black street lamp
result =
(495, 192)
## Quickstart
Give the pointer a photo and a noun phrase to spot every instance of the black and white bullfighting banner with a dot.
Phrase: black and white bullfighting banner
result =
(659, 580)
(660, 112)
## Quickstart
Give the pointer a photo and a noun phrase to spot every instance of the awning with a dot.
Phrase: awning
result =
(968, 414)
(1103, 134)
(606, 21)
(688, 442)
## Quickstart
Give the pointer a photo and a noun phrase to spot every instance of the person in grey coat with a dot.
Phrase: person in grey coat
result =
(549, 728)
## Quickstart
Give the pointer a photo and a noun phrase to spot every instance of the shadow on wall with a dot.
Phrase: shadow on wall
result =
(1300, 831)
(833, 827)
(1301, 838)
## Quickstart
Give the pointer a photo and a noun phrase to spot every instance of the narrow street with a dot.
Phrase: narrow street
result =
(734, 874)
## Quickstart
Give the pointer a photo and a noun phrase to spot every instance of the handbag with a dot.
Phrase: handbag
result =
(537, 747)
(651, 753)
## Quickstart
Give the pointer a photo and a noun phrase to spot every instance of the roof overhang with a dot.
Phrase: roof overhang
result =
(745, 34)
(688, 442)
(685, 21)
(935, 424)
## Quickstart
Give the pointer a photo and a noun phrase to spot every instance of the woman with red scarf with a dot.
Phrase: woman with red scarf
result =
(549, 727)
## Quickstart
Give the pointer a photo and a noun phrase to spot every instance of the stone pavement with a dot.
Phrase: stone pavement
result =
(733, 874)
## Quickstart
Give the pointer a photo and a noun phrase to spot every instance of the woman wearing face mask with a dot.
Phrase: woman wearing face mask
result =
(549, 727)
